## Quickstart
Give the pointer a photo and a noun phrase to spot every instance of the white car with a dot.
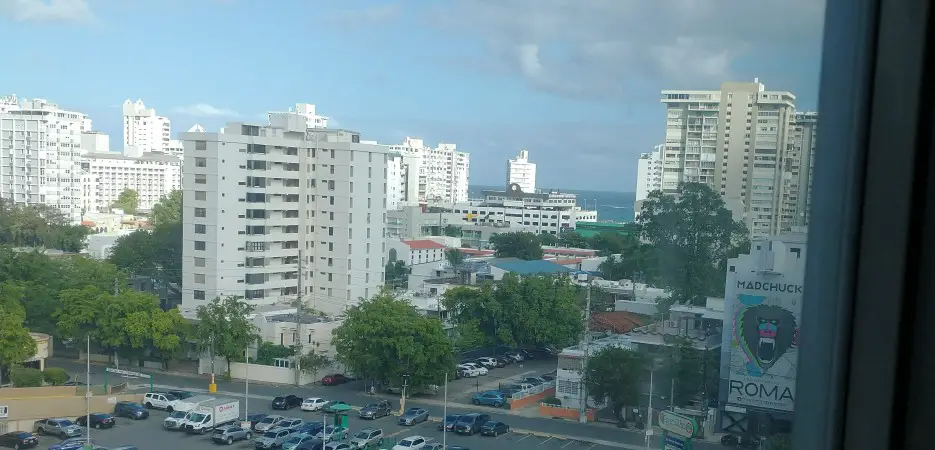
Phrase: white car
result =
(410, 443)
(468, 371)
(313, 404)
(160, 400)
(487, 362)
(480, 369)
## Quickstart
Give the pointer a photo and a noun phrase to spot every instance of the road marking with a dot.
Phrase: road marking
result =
(569, 443)
(547, 440)
(592, 446)
(525, 437)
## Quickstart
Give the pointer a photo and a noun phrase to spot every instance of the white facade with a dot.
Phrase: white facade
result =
(143, 130)
(153, 176)
(416, 251)
(735, 140)
(306, 110)
(521, 172)
(552, 212)
(649, 173)
(40, 155)
(762, 318)
(431, 174)
(95, 142)
(257, 198)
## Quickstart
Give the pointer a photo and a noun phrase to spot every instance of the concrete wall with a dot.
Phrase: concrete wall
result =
(266, 374)
(26, 407)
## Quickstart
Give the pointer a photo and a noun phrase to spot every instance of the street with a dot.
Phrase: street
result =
(567, 433)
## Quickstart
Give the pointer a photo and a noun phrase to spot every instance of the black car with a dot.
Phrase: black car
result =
(254, 418)
(493, 428)
(287, 401)
(130, 410)
(98, 420)
(19, 439)
(471, 423)
(449, 423)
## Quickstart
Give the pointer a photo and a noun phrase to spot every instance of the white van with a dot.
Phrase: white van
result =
(212, 414)
(191, 402)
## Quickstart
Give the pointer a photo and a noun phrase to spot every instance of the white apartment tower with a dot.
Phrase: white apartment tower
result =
(649, 173)
(521, 172)
(40, 155)
(153, 176)
(734, 140)
(143, 130)
(306, 110)
(438, 175)
(260, 198)
(797, 175)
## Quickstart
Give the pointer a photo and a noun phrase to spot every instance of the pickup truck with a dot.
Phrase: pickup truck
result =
(62, 428)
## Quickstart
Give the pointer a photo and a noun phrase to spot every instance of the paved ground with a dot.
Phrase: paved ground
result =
(567, 434)
(462, 390)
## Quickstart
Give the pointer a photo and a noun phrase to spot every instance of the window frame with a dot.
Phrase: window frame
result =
(859, 383)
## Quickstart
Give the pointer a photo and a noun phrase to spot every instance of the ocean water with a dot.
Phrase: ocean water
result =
(611, 206)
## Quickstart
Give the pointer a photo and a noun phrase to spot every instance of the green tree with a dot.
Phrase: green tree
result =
(16, 344)
(397, 274)
(268, 352)
(517, 244)
(614, 374)
(532, 311)
(781, 441)
(25, 377)
(155, 254)
(454, 257)
(313, 361)
(39, 226)
(79, 312)
(223, 328)
(56, 376)
(168, 210)
(160, 331)
(547, 239)
(128, 201)
(385, 338)
(693, 234)
(695, 372)
(452, 230)
(572, 239)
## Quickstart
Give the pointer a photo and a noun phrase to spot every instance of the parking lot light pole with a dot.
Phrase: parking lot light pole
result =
(87, 395)
(445, 416)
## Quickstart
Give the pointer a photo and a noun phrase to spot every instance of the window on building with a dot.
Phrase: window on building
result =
(198, 294)
(201, 195)
(201, 178)
(199, 245)
(199, 278)
(199, 262)
(201, 162)
(201, 212)
(201, 228)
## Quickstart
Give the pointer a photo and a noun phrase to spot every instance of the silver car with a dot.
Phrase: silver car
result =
(273, 438)
(291, 423)
(366, 438)
(231, 433)
(268, 423)
(63, 428)
(413, 416)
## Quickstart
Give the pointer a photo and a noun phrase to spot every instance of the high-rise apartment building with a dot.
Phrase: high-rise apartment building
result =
(429, 174)
(521, 172)
(153, 176)
(649, 173)
(40, 154)
(143, 130)
(797, 167)
(258, 199)
(735, 140)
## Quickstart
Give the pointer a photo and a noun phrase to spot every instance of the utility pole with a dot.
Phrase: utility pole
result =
(87, 392)
(402, 400)
(298, 325)
(583, 416)
(649, 410)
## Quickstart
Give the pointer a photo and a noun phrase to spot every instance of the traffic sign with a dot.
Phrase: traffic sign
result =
(127, 373)
(677, 424)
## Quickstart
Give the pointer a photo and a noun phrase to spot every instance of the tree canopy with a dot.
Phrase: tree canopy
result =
(385, 338)
(224, 330)
(397, 274)
(528, 311)
(695, 371)
(168, 210)
(16, 344)
(156, 254)
(614, 374)
(452, 230)
(693, 234)
(39, 226)
(128, 201)
(517, 244)
(454, 257)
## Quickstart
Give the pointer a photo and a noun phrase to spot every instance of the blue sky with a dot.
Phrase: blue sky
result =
(575, 82)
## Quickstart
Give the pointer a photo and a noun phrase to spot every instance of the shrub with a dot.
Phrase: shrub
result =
(26, 377)
(55, 376)
(552, 401)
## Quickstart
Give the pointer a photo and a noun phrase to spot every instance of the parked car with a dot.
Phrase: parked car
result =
(535, 381)
(98, 420)
(449, 423)
(503, 361)
(487, 362)
(296, 439)
(182, 395)
(440, 446)
(332, 433)
(175, 421)
(267, 423)
(231, 433)
(273, 438)
(334, 379)
(367, 438)
(375, 410)
(130, 410)
(311, 428)
(489, 398)
(517, 356)
(75, 443)
(468, 371)
(255, 419)
(494, 428)
(292, 423)
(313, 404)
(549, 376)
(413, 416)
(471, 423)
(314, 444)
(337, 446)
(481, 370)
(63, 428)
(18, 440)
(286, 401)
(160, 400)
(410, 443)
(330, 407)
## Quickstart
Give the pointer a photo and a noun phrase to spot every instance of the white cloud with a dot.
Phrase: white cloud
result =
(204, 110)
(596, 47)
(46, 10)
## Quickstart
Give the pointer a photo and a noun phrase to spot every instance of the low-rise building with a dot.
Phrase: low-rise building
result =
(415, 251)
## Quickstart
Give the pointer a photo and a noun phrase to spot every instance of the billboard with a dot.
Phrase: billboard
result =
(764, 314)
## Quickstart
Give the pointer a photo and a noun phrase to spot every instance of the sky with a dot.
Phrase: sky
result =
(575, 82)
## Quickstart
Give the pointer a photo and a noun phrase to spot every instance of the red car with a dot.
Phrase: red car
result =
(333, 379)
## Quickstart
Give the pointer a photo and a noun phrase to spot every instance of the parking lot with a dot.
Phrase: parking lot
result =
(149, 434)
(463, 389)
